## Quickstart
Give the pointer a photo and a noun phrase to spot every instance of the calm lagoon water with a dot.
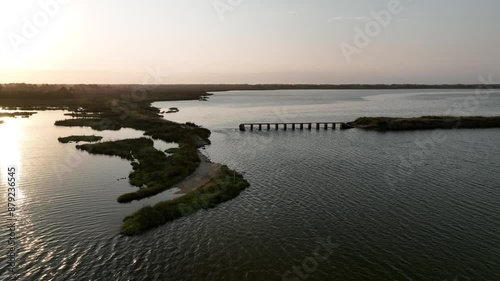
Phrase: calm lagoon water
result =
(399, 206)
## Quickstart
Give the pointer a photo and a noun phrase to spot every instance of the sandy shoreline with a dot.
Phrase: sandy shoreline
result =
(201, 176)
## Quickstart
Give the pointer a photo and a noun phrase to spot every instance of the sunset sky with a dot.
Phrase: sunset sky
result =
(255, 41)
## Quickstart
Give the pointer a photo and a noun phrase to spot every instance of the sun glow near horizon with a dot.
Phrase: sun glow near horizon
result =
(253, 42)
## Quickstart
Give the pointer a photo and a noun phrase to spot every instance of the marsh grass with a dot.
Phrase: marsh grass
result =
(226, 186)
(172, 150)
(97, 124)
(79, 139)
(426, 123)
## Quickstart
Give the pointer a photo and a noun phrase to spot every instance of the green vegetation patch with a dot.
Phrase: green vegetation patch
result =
(97, 124)
(79, 139)
(426, 123)
(153, 172)
(172, 150)
(142, 116)
(226, 186)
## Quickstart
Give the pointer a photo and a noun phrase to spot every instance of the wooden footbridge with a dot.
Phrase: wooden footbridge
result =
(295, 126)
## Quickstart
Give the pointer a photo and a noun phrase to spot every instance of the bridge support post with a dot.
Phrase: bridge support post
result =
(326, 126)
(317, 126)
(277, 126)
(301, 126)
(310, 126)
(268, 127)
(242, 127)
(251, 127)
(284, 127)
(260, 127)
(293, 126)
(334, 125)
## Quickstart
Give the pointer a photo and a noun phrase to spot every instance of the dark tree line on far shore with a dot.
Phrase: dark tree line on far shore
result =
(45, 95)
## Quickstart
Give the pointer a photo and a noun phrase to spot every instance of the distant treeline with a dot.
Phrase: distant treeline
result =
(93, 97)
(45, 95)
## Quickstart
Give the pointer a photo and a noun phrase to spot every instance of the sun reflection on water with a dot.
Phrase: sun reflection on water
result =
(10, 154)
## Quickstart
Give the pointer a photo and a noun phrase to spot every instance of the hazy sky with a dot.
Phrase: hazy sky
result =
(247, 41)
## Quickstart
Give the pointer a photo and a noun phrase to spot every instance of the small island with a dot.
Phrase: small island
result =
(425, 123)
(22, 114)
(172, 150)
(83, 114)
(172, 110)
(79, 139)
